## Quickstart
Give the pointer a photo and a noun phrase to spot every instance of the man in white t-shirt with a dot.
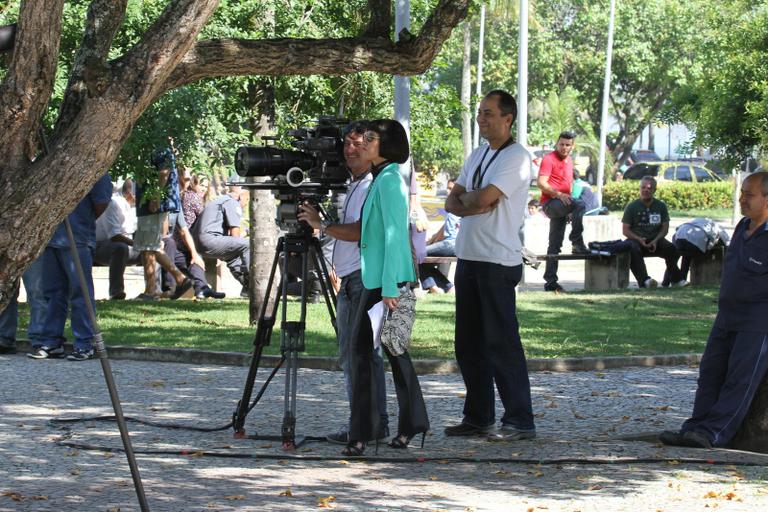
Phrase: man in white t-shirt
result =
(346, 265)
(114, 239)
(490, 196)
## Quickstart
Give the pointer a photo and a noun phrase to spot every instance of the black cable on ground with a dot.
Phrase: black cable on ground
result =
(439, 460)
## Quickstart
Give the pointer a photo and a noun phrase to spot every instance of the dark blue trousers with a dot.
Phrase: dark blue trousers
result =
(558, 212)
(488, 346)
(731, 370)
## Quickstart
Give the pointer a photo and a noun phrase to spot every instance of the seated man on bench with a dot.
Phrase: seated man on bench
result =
(434, 277)
(645, 224)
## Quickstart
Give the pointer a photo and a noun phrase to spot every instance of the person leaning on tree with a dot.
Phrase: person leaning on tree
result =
(735, 359)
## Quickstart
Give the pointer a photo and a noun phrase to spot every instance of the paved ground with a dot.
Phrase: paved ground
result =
(578, 462)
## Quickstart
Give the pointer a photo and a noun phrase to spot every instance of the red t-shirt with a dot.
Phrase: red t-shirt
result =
(560, 174)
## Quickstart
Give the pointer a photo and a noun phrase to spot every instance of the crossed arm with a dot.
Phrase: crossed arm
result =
(463, 203)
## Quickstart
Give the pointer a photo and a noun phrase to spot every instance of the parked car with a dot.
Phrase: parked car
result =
(642, 155)
(671, 171)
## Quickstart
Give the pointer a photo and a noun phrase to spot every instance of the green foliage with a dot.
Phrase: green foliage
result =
(677, 195)
(727, 100)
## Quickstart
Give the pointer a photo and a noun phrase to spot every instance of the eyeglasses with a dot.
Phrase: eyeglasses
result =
(370, 136)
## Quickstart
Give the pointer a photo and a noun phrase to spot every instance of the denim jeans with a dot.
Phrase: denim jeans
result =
(61, 288)
(346, 305)
(488, 346)
(437, 275)
(33, 285)
(558, 213)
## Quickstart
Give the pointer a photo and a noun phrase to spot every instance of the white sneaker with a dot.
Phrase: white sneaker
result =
(681, 284)
(650, 283)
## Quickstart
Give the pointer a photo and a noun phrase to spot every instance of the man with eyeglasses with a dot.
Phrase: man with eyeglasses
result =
(490, 196)
(346, 265)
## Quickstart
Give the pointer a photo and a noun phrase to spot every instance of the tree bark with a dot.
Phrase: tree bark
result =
(753, 434)
(105, 98)
(262, 205)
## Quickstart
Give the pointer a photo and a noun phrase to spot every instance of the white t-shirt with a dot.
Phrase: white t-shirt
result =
(494, 237)
(118, 219)
(346, 255)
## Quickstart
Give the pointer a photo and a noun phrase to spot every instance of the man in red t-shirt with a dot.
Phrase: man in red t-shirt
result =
(555, 181)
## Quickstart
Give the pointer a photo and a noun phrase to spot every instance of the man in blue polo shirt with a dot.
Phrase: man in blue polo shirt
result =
(736, 358)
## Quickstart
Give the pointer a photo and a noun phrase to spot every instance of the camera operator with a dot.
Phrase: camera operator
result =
(346, 264)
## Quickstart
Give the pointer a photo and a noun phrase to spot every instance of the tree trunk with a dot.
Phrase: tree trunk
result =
(651, 137)
(753, 434)
(466, 86)
(261, 209)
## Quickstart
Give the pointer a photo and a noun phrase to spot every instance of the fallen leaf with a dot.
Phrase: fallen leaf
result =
(15, 496)
(433, 478)
(327, 502)
(287, 493)
(74, 471)
(343, 462)
(551, 405)
(157, 383)
(235, 497)
(578, 415)
(600, 375)
(594, 487)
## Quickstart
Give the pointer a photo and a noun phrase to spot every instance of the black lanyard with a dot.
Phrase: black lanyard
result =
(479, 175)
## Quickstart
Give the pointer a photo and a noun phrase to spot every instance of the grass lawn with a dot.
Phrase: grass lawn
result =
(629, 322)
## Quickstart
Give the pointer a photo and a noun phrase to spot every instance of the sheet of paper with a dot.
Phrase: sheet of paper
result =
(377, 314)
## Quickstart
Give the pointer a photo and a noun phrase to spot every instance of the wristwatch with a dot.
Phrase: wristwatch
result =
(323, 226)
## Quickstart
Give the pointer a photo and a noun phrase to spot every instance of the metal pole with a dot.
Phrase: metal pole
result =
(606, 98)
(403, 83)
(479, 85)
(522, 77)
(101, 353)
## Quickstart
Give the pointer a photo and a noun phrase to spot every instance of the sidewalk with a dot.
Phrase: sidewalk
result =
(580, 460)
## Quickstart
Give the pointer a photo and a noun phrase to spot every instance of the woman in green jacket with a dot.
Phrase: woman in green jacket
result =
(387, 266)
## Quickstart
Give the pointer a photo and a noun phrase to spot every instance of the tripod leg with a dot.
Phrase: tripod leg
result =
(292, 342)
(264, 328)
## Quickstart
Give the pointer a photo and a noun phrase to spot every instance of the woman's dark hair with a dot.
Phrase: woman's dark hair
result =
(393, 142)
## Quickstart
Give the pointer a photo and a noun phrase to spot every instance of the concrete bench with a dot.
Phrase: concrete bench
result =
(708, 268)
(601, 272)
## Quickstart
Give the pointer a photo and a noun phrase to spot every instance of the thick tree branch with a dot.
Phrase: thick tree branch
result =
(273, 57)
(89, 73)
(380, 23)
(145, 68)
(28, 84)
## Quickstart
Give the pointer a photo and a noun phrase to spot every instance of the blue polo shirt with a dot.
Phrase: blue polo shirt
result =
(83, 218)
(743, 301)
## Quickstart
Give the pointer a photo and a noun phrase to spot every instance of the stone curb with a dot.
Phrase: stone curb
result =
(423, 366)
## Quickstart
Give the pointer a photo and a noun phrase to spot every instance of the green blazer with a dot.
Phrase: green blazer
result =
(385, 242)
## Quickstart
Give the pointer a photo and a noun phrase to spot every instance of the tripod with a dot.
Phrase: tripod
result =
(303, 245)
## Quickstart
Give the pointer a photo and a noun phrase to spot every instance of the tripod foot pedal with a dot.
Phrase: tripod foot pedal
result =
(289, 446)
(239, 434)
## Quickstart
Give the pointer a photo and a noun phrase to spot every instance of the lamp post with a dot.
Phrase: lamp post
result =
(606, 98)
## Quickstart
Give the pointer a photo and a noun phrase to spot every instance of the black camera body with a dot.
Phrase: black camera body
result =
(309, 173)
(317, 160)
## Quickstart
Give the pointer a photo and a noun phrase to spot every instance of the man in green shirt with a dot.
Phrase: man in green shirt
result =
(645, 224)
